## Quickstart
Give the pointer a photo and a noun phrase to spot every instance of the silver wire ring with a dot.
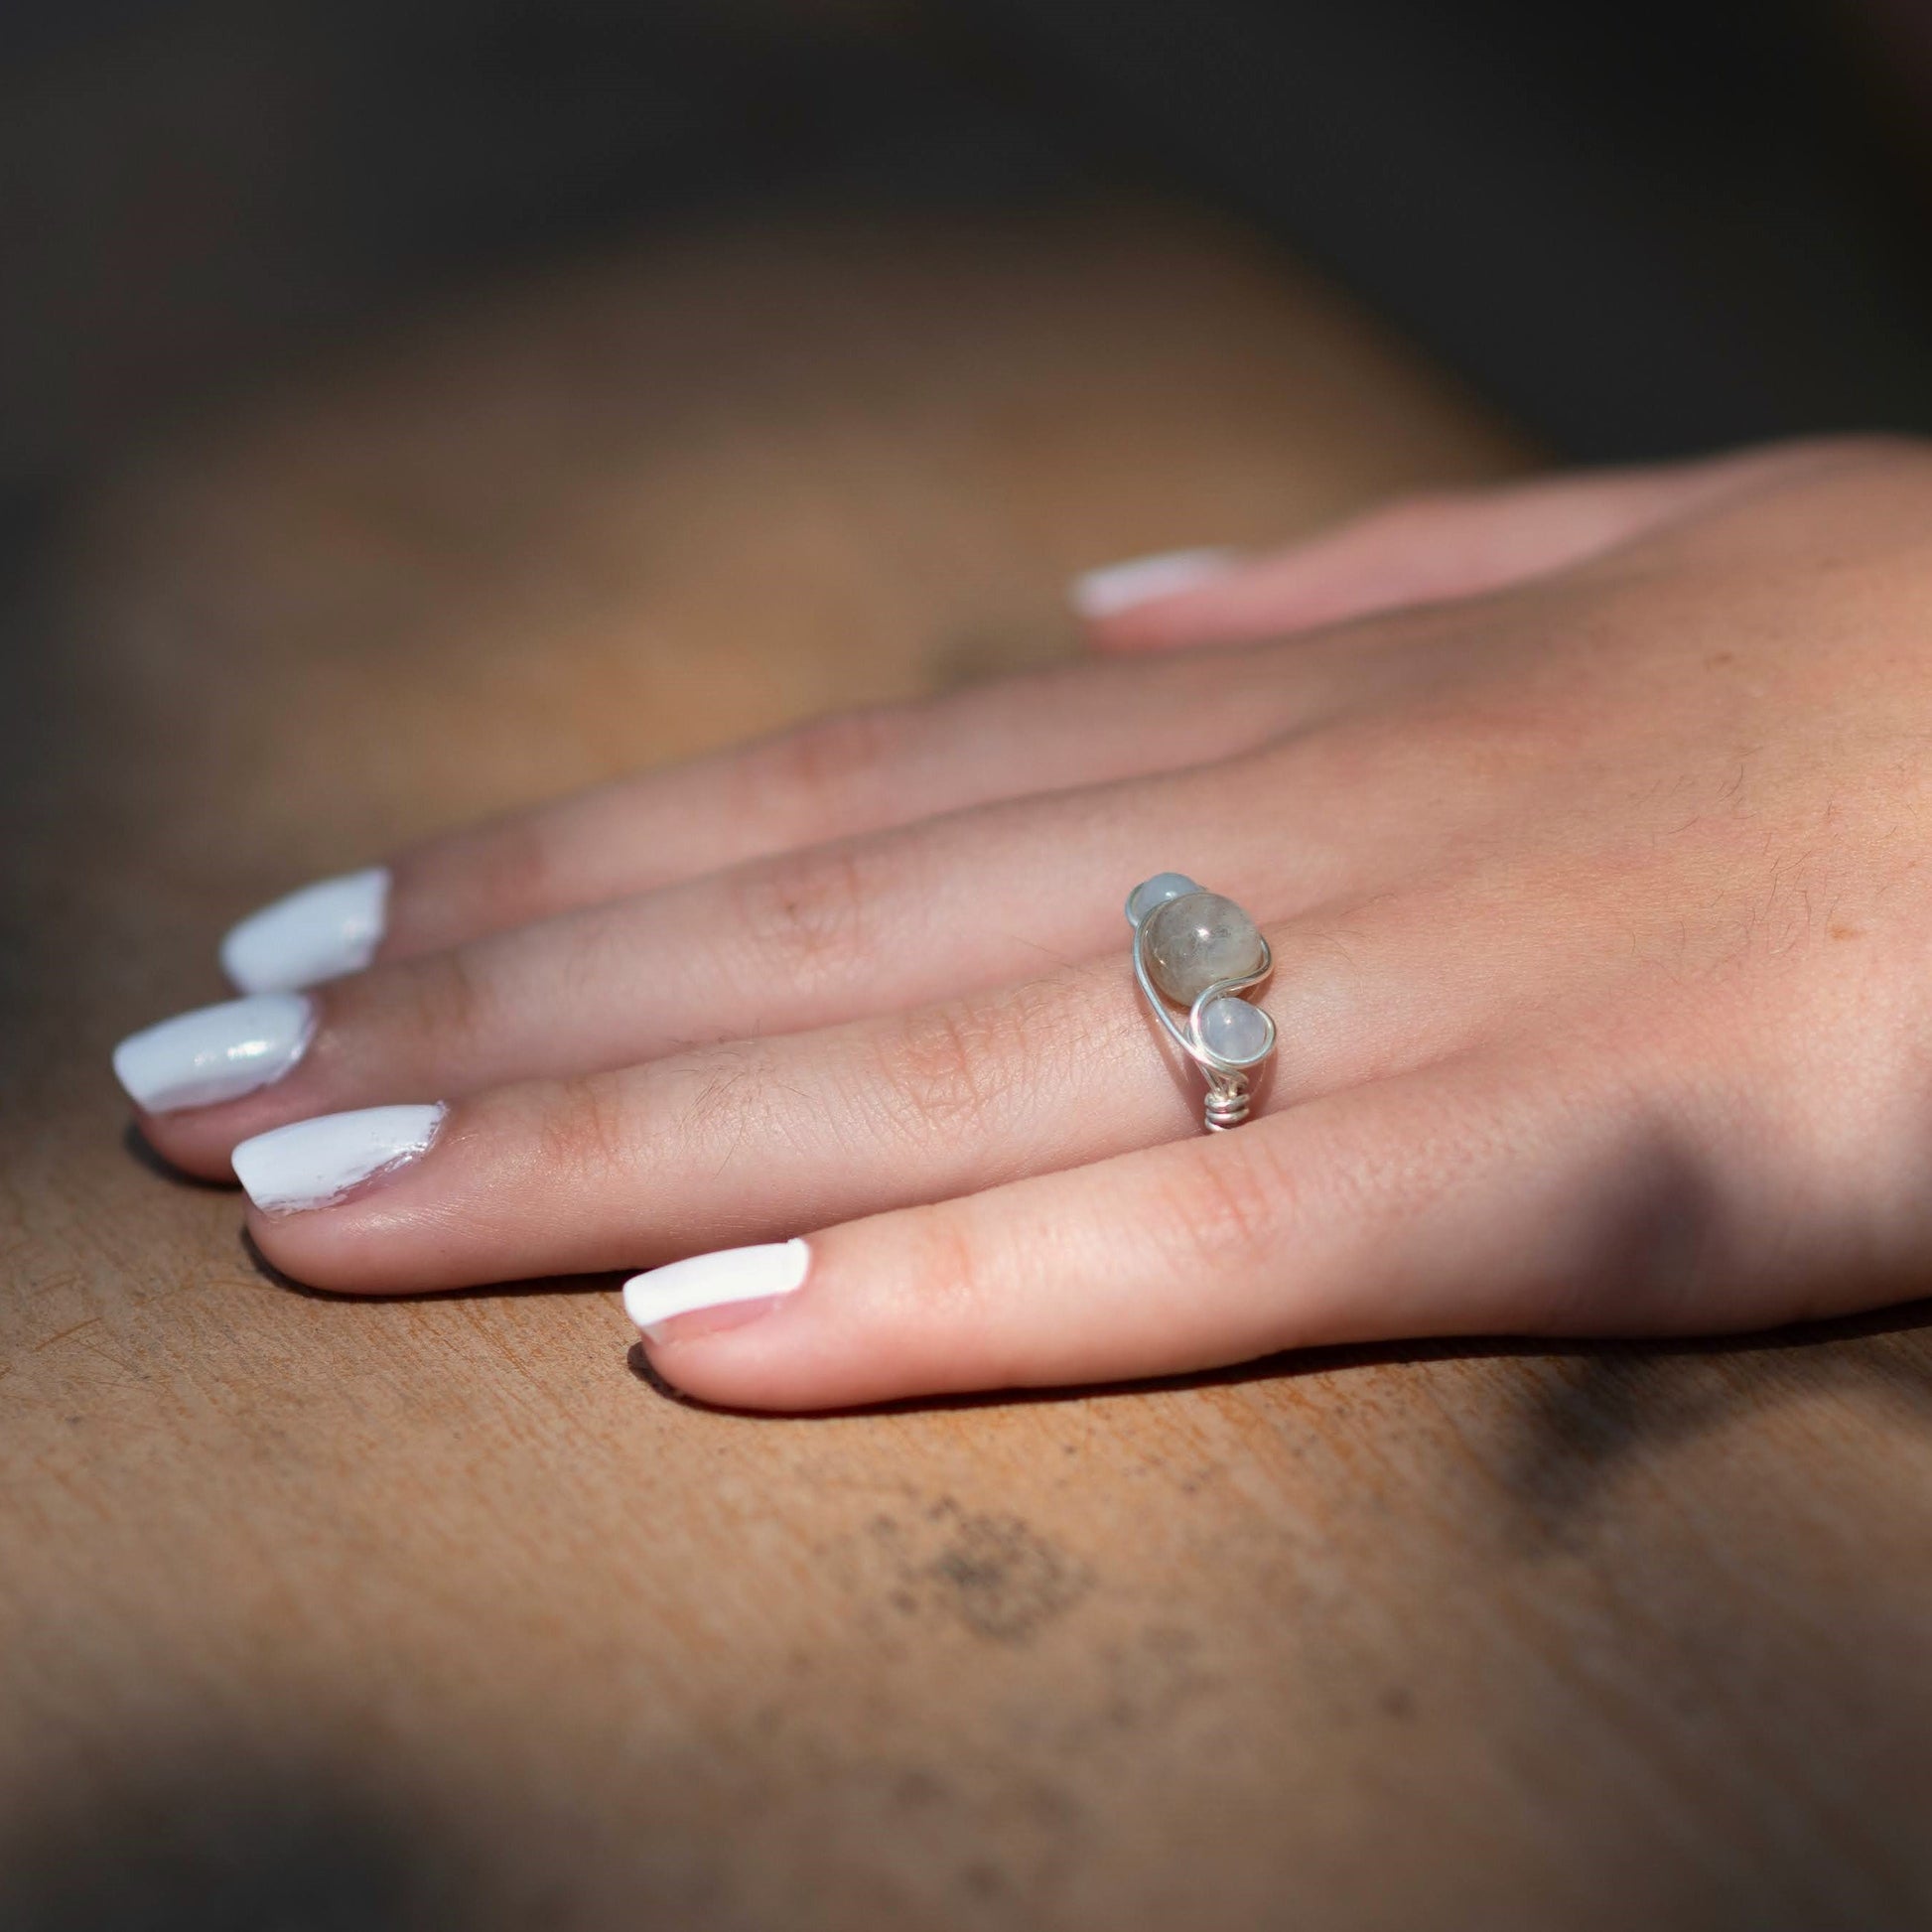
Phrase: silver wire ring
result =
(1246, 1031)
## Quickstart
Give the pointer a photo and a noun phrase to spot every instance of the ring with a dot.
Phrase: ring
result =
(1202, 952)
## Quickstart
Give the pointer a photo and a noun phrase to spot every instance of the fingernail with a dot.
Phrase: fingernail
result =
(215, 1053)
(1105, 593)
(312, 1163)
(318, 933)
(745, 1280)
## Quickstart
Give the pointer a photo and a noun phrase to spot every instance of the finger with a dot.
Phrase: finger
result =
(1418, 550)
(1473, 1197)
(804, 940)
(859, 772)
(732, 1142)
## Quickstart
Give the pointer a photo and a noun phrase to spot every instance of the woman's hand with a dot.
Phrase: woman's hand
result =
(1599, 889)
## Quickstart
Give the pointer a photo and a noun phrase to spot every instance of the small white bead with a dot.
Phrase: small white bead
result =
(1156, 891)
(1234, 1030)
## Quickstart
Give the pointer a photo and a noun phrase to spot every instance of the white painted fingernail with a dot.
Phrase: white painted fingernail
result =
(312, 1163)
(215, 1053)
(714, 1281)
(318, 933)
(1107, 592)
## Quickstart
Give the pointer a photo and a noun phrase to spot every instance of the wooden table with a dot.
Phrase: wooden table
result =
(316, 1612)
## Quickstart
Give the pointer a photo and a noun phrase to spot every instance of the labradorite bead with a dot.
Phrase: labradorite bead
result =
(1197, 940)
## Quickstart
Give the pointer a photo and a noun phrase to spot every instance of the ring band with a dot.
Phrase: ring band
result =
(1200, 952)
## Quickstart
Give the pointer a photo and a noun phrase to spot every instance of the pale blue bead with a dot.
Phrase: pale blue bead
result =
(1156, 891)
(1234, 1030)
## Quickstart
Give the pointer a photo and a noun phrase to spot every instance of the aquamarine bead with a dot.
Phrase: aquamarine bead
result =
(1156, 891)
(1233, 1029)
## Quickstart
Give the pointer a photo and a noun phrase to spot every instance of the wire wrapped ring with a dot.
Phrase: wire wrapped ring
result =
(1202, 952)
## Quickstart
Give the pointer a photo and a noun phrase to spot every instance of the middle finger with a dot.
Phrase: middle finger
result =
(806, 939)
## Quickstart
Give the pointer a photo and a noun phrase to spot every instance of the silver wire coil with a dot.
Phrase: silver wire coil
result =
(1227, 1104)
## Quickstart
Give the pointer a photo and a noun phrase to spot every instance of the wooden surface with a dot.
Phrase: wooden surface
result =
(315, 1613)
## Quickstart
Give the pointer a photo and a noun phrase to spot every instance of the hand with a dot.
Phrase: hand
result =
(1598, 893)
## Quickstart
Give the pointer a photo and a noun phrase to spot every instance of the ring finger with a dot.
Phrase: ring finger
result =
(731, 1143)
(806, 939)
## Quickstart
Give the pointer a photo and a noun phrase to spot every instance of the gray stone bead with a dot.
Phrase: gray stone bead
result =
(1197, 940)
(1233, 1029)
(1156, 891)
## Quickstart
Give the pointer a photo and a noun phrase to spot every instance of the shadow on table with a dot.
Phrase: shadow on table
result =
(1594, 1408)
(200, 1836)
(1581, 1410)
(138, 1148)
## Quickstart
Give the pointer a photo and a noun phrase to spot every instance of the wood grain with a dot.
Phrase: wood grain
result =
(319, 1612)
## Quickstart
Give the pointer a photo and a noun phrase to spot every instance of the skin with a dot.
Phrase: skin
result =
(1589, 823)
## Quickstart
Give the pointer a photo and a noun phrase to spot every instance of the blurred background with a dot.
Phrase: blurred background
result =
(1636, 228)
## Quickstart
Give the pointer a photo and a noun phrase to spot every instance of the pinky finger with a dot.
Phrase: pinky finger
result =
(1422, 550)
(1461, 1198)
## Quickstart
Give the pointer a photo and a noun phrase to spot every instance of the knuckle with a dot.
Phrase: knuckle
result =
(583, 1129)
(818, 768)
(951, 1283)
(811, 915)
(516, 865)
(940, 1070)
(439, 1004)
(507, 865)
(1229, 1207)
(961, 1067)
